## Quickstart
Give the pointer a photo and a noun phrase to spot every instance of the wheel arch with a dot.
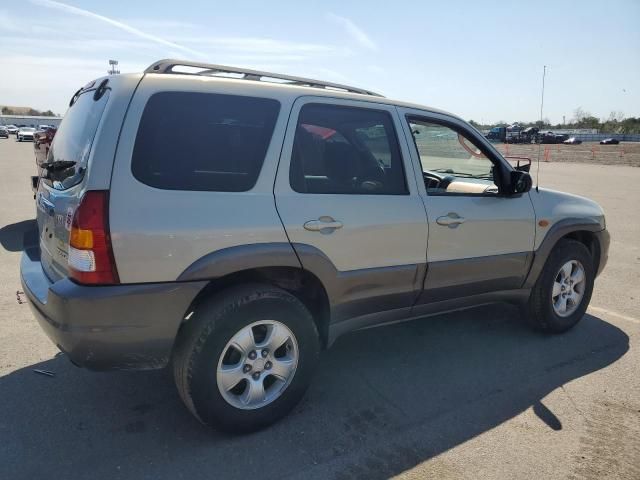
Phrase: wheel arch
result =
(584, 230)
(589, 240)
(273, 264)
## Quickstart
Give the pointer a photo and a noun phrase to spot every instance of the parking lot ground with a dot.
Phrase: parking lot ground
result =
(469, 395)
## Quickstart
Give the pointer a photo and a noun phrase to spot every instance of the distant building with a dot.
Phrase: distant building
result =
(29, 120)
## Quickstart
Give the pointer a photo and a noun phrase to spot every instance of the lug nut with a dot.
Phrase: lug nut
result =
(265, 352)
(246, 368)
(256, 376)
(252, 355)
(268, 366)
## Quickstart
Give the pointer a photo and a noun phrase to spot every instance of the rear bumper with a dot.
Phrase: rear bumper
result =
(121, 327)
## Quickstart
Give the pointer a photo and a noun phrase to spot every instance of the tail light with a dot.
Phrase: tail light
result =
(91, 259)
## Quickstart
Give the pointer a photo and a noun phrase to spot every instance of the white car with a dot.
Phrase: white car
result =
(12, 129)
(25, 134)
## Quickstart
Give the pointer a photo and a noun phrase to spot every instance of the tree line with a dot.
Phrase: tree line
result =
(616, 123)
(29, 111)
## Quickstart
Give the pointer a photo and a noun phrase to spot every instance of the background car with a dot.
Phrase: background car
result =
(12, 129)
(25, 134)
(572, 141)
(41, 144)
(609, 141)
(4, 132)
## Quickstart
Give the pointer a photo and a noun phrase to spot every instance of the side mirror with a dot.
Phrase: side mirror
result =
(520, 182)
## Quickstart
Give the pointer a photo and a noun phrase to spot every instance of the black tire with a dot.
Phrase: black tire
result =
(202, 341)
(540, 312)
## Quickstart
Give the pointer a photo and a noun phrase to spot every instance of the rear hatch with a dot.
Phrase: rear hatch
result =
(63, 176)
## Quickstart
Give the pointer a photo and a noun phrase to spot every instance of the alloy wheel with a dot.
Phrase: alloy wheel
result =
(257, 364)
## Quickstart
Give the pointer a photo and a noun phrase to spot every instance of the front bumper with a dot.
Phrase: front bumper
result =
(604, 239)
(120, 327)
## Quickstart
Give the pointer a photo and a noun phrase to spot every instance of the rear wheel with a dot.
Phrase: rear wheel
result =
(246, 357)
(562, 293)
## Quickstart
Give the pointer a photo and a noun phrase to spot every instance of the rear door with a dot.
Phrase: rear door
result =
(58, 197)
(348, 198)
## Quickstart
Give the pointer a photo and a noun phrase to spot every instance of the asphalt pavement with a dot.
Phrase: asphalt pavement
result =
(468, 395)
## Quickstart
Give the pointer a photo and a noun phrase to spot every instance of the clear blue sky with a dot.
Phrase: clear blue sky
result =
(482, 60)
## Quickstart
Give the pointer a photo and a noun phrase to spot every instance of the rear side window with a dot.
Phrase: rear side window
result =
(346, 150)
(203, 141)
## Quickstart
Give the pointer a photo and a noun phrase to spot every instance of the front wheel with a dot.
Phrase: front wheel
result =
(562, 293)
(246, 357)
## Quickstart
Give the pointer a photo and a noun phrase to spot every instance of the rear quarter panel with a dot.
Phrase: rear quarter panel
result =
(157, 234)
(107, 136)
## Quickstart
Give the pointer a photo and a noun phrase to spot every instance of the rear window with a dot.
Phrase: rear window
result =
(203, 141)
(74, 138)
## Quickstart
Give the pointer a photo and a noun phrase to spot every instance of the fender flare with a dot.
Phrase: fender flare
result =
(556, 232)
(220, 263)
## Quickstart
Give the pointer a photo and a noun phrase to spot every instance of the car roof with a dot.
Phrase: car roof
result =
(299, 90)
(284, 84)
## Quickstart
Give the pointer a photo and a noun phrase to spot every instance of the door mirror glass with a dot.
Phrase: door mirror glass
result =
(520, 182)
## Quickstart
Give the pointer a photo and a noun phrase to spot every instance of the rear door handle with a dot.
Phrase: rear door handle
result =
(324, 224)
(451, 220)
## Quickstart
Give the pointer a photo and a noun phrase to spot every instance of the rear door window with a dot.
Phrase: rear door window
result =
(203, 141)
(346, 150)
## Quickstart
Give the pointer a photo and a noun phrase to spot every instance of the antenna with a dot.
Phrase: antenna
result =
(544, 73)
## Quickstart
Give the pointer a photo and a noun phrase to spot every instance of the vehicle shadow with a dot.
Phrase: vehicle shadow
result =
(383, 401)
(17, 236)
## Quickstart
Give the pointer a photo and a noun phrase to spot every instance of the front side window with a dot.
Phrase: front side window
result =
(346, 150)
(451, 162)
(203, 141)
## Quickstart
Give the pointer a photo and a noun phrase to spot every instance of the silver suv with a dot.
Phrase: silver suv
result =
(234, 223)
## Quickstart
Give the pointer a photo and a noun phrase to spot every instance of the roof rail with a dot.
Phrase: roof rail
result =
(168, 66)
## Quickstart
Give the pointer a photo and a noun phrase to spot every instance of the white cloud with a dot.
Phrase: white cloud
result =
(115, 23)
(359, 35)
(48, 55)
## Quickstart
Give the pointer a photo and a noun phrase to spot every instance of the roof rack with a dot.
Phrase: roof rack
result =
(207, 69)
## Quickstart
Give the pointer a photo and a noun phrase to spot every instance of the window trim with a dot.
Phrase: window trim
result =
(314, 101)
(471, 134)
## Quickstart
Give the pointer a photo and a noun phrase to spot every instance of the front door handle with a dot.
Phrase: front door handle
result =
(324, 224)
(451, 220)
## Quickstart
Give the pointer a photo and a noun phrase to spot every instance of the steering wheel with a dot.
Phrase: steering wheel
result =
(441, 181)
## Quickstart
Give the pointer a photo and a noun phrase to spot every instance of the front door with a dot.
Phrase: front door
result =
(348, 197)
(480, 240)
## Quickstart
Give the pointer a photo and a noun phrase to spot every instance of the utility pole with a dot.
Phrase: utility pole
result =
(544, 74)
(112, 67)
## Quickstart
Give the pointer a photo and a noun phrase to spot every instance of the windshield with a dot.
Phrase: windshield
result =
(28, 129)
(74, 138)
